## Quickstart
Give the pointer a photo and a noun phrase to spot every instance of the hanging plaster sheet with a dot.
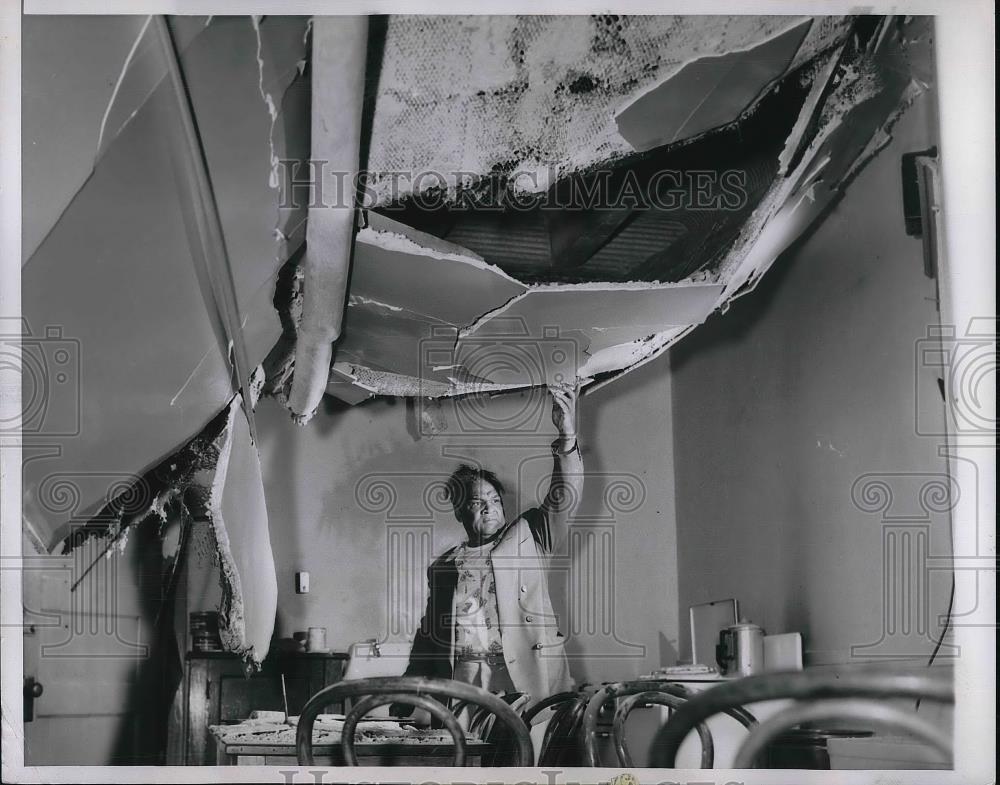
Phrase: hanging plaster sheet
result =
(113, 288)
(409, 295)
(854, 122)
(441, 315)
(585, 319)
(239, 519)
(708, 92)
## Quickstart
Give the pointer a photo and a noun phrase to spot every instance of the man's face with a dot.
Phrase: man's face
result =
(482, 512)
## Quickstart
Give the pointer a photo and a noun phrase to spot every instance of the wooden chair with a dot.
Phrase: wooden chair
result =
(561, 744)
(483, 724)
(858, 696)
(424, 693)
(643, 692)
(480, 716)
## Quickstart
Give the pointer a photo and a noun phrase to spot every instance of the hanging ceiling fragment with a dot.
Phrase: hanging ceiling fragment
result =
(712, 90)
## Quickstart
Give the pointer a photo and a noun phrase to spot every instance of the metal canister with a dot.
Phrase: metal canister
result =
(741, 649)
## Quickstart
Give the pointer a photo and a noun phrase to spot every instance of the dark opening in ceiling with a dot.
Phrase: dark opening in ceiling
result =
(659, 216)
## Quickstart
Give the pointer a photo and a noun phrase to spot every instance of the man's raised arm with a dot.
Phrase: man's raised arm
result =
(566, 484)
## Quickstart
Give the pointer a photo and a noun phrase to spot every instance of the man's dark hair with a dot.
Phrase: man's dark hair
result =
(457, 489)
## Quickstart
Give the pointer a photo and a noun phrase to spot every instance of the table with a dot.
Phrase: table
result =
(727, 733)
(796, 748)
(256, 743)
(216, 690)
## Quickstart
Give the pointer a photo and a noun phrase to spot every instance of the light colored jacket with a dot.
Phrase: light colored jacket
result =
(533, 646)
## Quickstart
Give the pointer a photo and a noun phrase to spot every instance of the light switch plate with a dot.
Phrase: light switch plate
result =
(302, 583)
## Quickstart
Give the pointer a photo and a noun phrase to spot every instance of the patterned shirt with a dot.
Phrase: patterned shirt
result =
(477, 619)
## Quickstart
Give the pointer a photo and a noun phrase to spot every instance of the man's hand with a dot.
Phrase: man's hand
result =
(566, 482)
(564, 414)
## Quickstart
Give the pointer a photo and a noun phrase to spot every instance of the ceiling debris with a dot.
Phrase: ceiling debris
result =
(708, 92)
(212, 480)
(526, 93)
(239, 520)
(435, 322)
(871, 85)
(338, 75)
(658, 216)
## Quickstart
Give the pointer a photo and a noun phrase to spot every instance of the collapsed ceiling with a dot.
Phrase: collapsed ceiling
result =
(601, 185)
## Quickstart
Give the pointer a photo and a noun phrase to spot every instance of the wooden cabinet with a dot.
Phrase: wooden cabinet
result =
(216, 690)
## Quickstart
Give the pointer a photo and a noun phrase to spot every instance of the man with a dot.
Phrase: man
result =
(489, 619)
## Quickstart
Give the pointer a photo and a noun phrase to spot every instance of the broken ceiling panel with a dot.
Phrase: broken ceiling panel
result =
(606, 314)
(215, 480)
(396, 266)
(95, 72)
(708, 92)
(819, 121)
(871, 85)
(389, 338)
(408, 296)
(628, 355)
(142, 70)
(457, 324)
(152, 365)
(239, 520)
(524, 93)
(658, 216)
